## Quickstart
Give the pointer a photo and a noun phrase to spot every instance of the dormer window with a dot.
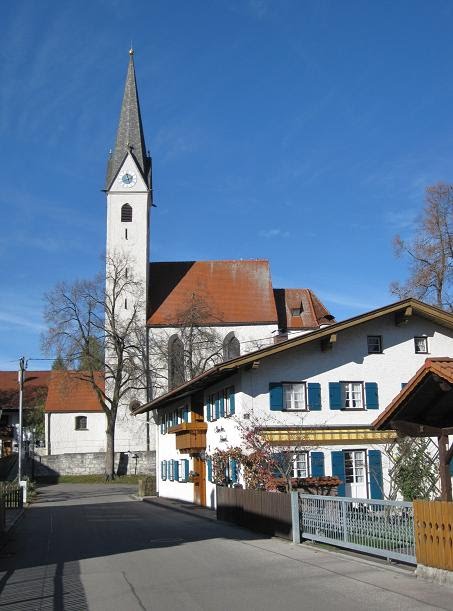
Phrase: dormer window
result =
(126, 213)
(296, 311)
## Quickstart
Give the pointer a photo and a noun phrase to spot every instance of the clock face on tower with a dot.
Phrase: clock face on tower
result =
(128, 179)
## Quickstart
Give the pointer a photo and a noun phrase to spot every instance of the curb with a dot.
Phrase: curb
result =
(181, 509)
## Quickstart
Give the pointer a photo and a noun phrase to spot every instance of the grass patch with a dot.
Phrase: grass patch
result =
(91, 479)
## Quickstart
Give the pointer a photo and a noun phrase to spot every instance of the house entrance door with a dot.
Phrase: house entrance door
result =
(199, 481)
(355, 471)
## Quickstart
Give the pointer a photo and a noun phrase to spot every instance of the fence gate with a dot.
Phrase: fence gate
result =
(383, 528)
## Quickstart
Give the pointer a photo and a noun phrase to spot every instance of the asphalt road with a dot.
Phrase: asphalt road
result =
(94, 548)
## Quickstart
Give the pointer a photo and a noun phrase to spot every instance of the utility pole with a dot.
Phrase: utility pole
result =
(22, 368)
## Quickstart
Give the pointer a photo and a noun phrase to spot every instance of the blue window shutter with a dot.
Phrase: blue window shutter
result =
(168, 468)
(375, 469)
(208, 410)
(176, 470)
(221, 405)
(185, 470)
(163, 469)
(339, 471)
(335, 395)
(451, 467)
(185, 414)
(317, 464)
(209, 465)
(371, 395)
(314, 396)
(276, 396)
(279, 460)
(217, 406)
(162, 428)
(233, 470)
(232, 402)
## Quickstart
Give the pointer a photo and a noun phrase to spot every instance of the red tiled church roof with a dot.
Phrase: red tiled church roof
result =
(234, 291)
(67, 393)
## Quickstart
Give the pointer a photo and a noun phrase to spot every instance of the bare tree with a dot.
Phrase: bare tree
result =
(430, 252)
(102, 326)
(188, 347)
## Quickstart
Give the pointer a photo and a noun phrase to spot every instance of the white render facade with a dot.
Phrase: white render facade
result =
(343, 442)
(64, 435)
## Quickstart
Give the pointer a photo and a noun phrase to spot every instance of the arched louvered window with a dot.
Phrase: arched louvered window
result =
(175, 362)
(231, 347)
(126, 213)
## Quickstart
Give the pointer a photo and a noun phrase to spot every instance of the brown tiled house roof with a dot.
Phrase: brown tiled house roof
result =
(300, 309)
(35, 388)
(69, 394)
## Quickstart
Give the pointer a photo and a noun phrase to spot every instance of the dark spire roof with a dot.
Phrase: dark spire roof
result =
(130, 131)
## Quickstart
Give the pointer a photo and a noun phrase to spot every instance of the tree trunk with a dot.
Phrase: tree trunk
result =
(110, 450)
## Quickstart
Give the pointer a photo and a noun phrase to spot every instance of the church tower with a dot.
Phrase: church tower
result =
(129, 194)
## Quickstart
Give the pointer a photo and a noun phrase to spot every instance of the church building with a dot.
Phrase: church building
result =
(195, 313)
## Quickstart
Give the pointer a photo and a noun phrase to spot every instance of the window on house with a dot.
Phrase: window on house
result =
(421, 345)
(354, 467)
(229, 401)
(294, 396)
(300, 465)
(352, 395)
(374, 344)
(231, 347)
(81, 423)
(175, 362)
(126, 213)
(296, 311)
(125, 234)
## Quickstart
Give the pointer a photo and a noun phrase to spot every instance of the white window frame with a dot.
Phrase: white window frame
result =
(294, 396)
(357, 470)
(352, 391)
(301, 457)
(377, 340)
(211, 400)
(416, 347)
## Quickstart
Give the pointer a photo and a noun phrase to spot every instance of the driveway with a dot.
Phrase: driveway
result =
(79, 550)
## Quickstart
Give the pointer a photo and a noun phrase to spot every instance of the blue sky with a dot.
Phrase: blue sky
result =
(300, 131)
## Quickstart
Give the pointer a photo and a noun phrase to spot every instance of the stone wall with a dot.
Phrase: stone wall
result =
(92, 463)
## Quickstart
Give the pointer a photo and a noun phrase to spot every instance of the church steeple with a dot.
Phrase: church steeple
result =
(129, 137)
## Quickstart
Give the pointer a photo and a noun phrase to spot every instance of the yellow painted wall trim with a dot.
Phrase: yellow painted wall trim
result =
(328, 436)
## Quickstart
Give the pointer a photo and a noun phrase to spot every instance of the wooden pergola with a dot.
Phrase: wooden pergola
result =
(424, 408)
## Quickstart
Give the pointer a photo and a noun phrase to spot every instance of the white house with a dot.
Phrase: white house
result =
(321, 390)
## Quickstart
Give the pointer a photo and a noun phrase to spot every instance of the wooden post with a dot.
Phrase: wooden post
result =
(444, 468)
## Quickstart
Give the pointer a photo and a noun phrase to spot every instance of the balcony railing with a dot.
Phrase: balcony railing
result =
(190, 436)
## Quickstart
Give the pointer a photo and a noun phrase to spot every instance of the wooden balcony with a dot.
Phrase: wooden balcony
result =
(190, 436)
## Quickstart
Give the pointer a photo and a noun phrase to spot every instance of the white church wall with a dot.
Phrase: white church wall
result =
(64, 438)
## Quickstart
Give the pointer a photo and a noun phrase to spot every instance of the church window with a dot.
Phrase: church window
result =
(81, 423)
(125, 234)
(125, 303)
(231, 347)
(126, 213)
(175, 362)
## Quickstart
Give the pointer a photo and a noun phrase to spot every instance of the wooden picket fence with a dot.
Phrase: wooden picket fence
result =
(433, 521)
(266, 512)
